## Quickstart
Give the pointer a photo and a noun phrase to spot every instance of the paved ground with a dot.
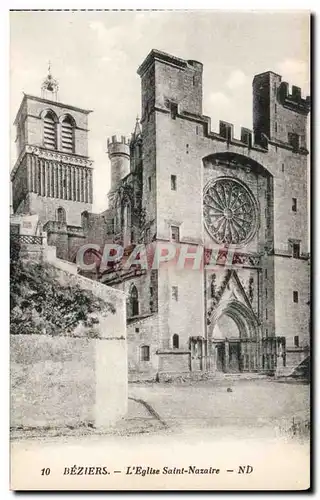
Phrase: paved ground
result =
(210, 404)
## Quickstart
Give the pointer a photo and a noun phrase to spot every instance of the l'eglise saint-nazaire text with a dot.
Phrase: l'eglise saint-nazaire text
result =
(191, 469)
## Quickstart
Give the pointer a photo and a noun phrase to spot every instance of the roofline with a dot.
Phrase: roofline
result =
(158, 55)
(266, 73)
(48, 101)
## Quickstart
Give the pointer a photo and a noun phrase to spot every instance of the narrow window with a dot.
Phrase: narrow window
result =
(197, 130)
(266, 293)
(295, 296)
(296, 341)
(67, 135)
(187, 149)
(296, 250)
(175, 341)
(275, 108)
(173, 183)
(293, 140)
(173, 110)
(145, 353)
(175, 234)
(61, 215)
(85, 220)
(275, 88)
(294, 204)
(133, 302)
(149, 183)
(282, 167)
(194, 80)
(266, 313)
(266, 332)
(276, 127)
(174, 293)
(137, 330)
(266, 273)
(151, 299)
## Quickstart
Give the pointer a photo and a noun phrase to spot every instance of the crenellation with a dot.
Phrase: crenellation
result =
(294, 100)
(226, 130)
(246, 136)
(114, 140)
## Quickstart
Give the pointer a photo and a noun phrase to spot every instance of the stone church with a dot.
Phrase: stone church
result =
(175, 180)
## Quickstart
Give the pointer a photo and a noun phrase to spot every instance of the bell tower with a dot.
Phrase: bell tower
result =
(52, 176)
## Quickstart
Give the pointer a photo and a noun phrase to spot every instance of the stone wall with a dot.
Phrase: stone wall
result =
(59, 381)
(52, 381)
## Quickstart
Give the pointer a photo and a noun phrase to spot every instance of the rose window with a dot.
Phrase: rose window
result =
(230, 213)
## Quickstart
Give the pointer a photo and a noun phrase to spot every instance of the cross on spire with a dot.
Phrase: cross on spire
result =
(50, 86)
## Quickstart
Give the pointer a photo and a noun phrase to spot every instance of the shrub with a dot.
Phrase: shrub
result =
(40, 303)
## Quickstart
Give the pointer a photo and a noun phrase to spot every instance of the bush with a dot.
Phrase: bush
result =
(40, 304)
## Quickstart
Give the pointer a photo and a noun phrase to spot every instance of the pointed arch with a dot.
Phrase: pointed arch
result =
(242, 315)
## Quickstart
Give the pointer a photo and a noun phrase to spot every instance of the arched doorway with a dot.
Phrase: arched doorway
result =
(227, 353)
(234, 339)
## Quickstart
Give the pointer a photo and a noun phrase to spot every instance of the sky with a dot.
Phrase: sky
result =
(95, 56)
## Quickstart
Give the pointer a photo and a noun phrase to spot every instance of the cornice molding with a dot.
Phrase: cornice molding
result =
(57, 156)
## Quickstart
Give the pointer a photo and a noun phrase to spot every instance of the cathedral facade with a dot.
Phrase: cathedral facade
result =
(177, 182)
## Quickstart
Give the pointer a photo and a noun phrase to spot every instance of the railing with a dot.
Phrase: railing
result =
(26, 239)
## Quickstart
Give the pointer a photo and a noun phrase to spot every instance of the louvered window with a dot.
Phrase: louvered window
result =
(49, 131)
(67, 135)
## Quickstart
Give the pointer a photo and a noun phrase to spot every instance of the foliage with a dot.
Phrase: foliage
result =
(40, 303)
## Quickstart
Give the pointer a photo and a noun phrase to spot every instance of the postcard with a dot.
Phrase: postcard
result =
(159, 250)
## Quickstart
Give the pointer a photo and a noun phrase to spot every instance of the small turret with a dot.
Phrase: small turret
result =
(119, 154)
(278, 115)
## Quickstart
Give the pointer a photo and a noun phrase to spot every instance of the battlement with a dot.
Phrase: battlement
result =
(225, 133)
(115, 140)
(118, 146)
(293, 100)
(158, 55)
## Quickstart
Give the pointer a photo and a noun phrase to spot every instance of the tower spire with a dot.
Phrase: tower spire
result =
(50, 86)
(137, 129)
